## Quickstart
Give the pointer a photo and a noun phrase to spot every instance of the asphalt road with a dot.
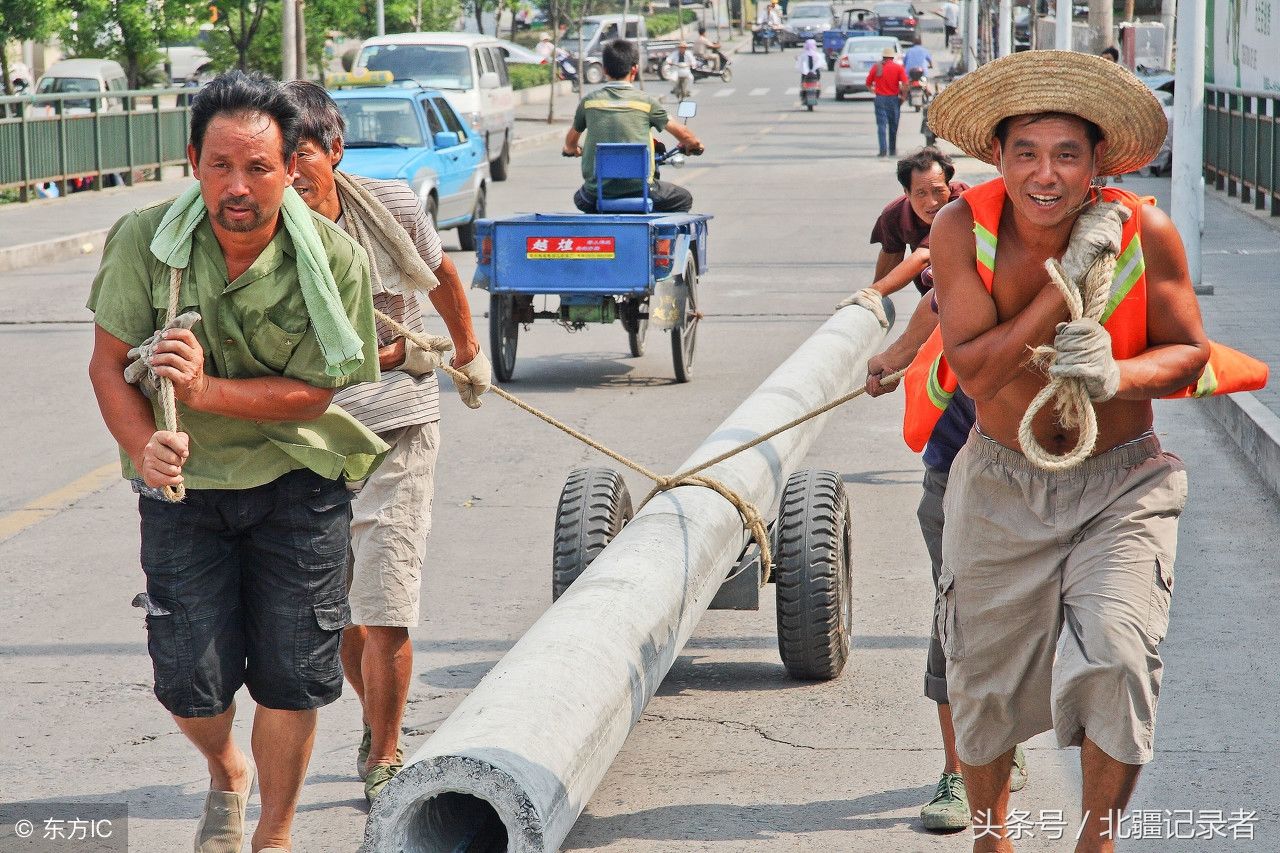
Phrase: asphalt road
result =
(730, 755)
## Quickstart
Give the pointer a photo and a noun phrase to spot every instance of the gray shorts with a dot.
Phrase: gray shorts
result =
(1054, 596)
(390, 521)
(931, 517)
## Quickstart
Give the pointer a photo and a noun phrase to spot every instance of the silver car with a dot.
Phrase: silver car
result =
(808, 21)
(859, 55)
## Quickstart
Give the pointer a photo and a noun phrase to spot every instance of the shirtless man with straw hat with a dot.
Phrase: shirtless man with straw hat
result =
(1059, 541)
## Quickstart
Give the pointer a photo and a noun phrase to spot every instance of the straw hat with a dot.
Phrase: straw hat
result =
(1053, 81)
(889, 52)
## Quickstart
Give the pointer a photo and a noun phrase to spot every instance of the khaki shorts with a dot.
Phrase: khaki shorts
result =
(390, 520)
(1054, 596)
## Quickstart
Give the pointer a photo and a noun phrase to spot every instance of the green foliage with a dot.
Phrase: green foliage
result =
(666, 22)
(358, 18)
(22, 20)
(527, 76)
(131, 32)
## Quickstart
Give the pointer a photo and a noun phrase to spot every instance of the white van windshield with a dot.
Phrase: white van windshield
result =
(436, 66)
(65, 85)
(589, 29)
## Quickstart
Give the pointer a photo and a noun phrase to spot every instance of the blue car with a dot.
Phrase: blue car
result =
(413, 135)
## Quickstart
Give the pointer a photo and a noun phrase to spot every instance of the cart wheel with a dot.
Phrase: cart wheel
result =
(727, 75)
(812, 573)
(504, 333)
(594, 505)
(685, 336)
(637, 327)
(594, 73)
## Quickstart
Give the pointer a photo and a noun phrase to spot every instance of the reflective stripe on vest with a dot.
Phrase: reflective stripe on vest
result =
(930, 383)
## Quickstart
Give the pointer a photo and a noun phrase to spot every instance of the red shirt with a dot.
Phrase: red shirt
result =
(887, 76)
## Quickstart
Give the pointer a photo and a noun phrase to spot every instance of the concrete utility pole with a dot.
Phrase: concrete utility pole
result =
(302, 39)
(289, 41)
(1100, 25)
(381, 18)
(1168, 13)
(1062, 26)
(1188, 135)
(971, 35)
(1006, 28)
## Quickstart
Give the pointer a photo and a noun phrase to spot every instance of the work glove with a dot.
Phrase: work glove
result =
(870, 299)
(1096, 232)
(138, 372)
(479, 378)
(1084, 353)
(419, 361)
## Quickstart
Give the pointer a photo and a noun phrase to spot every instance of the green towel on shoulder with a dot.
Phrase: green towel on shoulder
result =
(338, 340)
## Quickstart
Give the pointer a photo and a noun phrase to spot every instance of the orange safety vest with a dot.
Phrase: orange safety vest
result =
(929, 382)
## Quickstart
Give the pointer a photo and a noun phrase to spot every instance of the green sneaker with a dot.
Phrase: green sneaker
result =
(949, 808)
(1018, 773)
(377, 778)
(362, 754)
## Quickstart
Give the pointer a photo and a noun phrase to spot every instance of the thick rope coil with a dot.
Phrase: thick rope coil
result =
(168, 406)
(751, 518)
(1075, 409)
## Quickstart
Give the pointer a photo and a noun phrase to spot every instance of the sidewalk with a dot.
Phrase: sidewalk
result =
(52, 230)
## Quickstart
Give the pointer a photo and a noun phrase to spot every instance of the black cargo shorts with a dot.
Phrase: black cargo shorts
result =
(247, 586)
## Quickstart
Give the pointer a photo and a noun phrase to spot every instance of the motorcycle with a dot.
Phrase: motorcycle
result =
(705, 69)
(810, 89)
(764, 35)
(918, 89)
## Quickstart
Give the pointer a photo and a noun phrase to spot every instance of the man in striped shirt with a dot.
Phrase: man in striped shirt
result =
(391, 516)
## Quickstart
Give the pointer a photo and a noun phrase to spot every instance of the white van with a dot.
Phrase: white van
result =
(470, 69)
(68, 76)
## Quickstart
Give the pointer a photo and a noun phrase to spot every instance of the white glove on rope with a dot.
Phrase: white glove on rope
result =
(479, 378)
(419, 361)
(1097, 231)
(138, 372)
(870, 299)
(1084, 353)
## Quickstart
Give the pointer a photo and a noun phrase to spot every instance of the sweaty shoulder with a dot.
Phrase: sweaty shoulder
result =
(396, 196)
(952, 227)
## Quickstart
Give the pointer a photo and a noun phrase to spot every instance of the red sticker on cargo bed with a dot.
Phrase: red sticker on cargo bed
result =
(569, 248)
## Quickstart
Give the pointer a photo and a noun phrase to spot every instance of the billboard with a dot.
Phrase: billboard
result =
(1243, 43)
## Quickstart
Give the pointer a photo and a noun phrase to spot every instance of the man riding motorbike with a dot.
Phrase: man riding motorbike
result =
(618, 112)
(678, 67)
(709, 51)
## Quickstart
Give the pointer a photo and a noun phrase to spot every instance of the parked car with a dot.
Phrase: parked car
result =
(898, 19)
(808, 21)
(84, 75)
(414, 135)
(518, 54)
(470, 69)
(856, 59)
(1161, 82)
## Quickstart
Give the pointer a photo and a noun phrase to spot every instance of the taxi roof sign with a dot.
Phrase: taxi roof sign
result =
(358, 79)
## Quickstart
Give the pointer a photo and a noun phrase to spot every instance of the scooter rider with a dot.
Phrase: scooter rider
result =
(918, 62)
(680, 62)
(709, 51)
(618, 112)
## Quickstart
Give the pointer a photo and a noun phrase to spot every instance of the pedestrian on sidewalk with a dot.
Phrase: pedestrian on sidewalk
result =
(245, 576)
(888, 80)
(392, 509)
(1057, 574)
(926, 177)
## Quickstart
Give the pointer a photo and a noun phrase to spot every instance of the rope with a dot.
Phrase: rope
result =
(168, 407)
(751, 517)
(1071, 400)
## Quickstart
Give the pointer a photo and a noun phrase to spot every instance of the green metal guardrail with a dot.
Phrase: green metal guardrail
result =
(56, 138)
(1242, 144)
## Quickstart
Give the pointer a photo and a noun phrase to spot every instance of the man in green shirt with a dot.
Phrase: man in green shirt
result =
(619, 112)
(246, 575)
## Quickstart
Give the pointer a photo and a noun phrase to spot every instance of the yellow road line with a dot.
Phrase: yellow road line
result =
(56, 501)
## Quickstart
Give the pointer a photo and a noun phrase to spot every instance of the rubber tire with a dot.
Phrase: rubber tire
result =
(498, 168)
(813, 577)
(504, 336)
(635, 340)
(594, 505)
(594, 72)
(810, 106)
(433, 210)
(684, 339)
(831, 65)
(839, 94)
(467, 230)
(727, 75)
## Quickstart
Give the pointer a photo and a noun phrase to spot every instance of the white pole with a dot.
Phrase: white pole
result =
(971, 35)
(1062, 26)
(381, 18)
(525, 750)
(1006, 28)
(289, 41)
(1188, 135)
(1168, 14)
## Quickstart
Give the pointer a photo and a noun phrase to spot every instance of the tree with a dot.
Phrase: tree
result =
(237, 25)
(132, 32)
(479, 7)
(25, 20)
